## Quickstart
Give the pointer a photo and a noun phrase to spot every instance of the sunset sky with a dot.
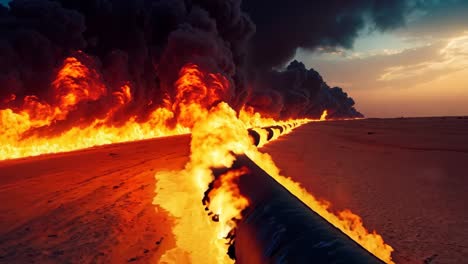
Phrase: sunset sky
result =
(420, 69)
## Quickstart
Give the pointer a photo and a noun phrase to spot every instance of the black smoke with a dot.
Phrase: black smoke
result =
(144, 43)
(284, 26)
(298, 92)
(35, 37)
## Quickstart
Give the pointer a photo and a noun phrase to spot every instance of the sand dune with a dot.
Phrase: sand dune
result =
(407, 178)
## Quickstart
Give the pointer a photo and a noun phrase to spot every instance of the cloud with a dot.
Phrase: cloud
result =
(452, 57)
(427, 80)
(436, 20)
(362, 72)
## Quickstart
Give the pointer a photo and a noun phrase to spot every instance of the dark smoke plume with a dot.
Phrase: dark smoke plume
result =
(298, 92)
(144, 43)
(284, 26)
(141, 43)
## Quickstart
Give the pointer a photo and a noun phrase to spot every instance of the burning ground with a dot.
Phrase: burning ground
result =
(96, 204)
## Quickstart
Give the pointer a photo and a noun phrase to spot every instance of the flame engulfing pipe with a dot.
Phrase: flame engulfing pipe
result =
(278, 228)
(262, 135)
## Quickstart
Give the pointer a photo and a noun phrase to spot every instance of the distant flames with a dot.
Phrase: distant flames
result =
(218, 134)
(24, 131)
(324, 115)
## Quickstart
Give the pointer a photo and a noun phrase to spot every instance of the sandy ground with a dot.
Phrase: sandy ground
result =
(407, 178)
(91, 206)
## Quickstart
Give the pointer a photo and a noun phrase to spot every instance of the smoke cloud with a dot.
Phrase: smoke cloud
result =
(143, 44)
(298, 92)
(282, 26)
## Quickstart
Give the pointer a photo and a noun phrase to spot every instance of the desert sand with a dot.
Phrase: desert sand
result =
(89, 206)
(407, 179)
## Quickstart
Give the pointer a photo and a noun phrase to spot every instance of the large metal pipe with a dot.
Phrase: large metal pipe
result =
(278, 228)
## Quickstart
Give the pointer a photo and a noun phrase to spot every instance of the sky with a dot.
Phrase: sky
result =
(418, 69)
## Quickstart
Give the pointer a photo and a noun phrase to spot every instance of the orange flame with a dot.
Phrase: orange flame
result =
(226, 202)
(195, 89)
(323, 117)
(218, 135)
(124, 95)
(349, 223)
(75, 84)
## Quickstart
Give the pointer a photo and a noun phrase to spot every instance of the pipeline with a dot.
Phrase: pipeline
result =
(262, 135)
(278, 228)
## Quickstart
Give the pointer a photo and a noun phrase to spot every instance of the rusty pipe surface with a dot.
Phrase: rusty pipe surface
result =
(279, 228)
